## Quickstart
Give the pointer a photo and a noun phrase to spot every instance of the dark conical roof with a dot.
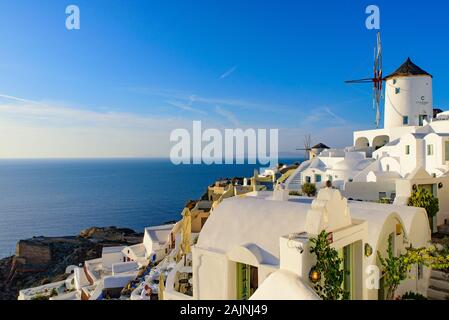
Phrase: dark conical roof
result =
(408, 68)
(320, 146)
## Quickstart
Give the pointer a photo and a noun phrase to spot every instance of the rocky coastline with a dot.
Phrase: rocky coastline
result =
(40, 260)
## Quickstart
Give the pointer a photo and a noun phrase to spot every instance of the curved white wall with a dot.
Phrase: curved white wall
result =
(413, 99)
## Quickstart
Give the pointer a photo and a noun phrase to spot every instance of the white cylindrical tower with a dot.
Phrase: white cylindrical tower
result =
(408, 96)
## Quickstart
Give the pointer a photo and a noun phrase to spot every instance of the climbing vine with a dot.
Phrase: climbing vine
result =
(330, 285)
(395, 268)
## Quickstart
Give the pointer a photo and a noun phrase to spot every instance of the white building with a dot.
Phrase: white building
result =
(108, 274)
(257, 247)
(412, 150)
(155, 245)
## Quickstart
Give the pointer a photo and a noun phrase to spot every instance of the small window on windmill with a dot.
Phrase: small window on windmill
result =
(407, 149)
(430, 150)
(405, 120)
(394, 81)
(397, 90)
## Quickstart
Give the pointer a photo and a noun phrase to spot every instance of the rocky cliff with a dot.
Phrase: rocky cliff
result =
(40, 260)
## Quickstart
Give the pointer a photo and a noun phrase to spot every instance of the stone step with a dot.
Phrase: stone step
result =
(442, 285)
(440, 275)
(435, 294)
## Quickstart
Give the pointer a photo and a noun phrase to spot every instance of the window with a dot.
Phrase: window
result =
(308, 179)
(394, 81)
(318, 178)
(388, 167)
(405, 120)
(407, 149)
(422, 117)
(382, 195)
(446, 150)
(397, 90)
(430, 150)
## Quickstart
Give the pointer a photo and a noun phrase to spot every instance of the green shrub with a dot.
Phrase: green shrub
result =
(413, 296)
(309, 189)
(424, 199)
(53, 292)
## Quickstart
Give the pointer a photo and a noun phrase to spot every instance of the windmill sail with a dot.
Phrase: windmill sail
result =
(307, 144)
(376, 80)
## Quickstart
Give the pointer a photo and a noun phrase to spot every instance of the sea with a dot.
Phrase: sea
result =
(55, 197)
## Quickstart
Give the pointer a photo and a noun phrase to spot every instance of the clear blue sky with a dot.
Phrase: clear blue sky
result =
(278, 64)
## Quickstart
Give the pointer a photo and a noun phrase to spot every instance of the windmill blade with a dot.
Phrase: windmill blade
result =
(375, 62)
(378, 116)
(377, 78)
(365, 80)
(379, 50)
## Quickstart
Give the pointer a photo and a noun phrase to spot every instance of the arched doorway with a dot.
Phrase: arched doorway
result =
(362, 143)
(380, 141)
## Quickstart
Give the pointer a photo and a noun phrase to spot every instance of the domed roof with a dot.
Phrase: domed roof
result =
(351, 164)
(343, 165)
(408, 68)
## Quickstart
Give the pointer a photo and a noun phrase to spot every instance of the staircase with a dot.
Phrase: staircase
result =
(438, 286)
(293, 182)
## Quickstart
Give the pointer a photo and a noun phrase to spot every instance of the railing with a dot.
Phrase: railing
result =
(86, 272)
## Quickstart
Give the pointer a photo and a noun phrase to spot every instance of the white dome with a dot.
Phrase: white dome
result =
(351, 164)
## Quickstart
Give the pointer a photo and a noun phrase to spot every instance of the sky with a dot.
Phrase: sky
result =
(136, 70)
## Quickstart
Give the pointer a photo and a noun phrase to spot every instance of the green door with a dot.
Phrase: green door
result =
(247, 281)
(347, 256)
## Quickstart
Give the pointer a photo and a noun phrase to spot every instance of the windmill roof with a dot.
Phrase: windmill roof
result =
(320, 146)
(408, 68)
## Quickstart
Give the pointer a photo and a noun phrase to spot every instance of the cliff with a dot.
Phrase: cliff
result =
(40, 260)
